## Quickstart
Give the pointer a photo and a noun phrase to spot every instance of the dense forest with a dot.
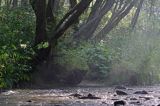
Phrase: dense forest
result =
(65, 42)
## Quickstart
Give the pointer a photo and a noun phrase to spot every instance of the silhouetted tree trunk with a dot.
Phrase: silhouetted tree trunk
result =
(8, 3)
(95, 9)
(73, 3)
(50, 14)
(15, 3)
(69, 19)
(40, 11)
(0, 2)
(115, 19)
(97, 13)
(41, 34)
(135, 18)
(24, 2)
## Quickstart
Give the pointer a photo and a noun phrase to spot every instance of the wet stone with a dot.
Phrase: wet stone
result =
(89, 96)
(119, 103)
(29, 101)
(119, 92)
(133, 98)
(145, 98)
(104, 103)
(76, 95)
(141, 92)
(135, 103)
(10, 92)
(2, 90)
(114, 95)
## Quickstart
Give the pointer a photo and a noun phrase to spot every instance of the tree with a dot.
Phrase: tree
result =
(119, 9)
(69, 19)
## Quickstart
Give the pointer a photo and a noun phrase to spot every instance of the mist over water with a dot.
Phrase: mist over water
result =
(138, 52)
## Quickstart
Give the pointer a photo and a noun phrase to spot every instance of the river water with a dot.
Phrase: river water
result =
(63, 97)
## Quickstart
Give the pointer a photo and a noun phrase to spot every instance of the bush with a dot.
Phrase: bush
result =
(86, 56)
(98, 61)
(16, 33)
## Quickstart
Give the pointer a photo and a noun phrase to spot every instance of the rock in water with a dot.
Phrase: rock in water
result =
(2, 90)
(141, 92)
(133, 98)
(146, 98)
(10, 92)
(76, 95)
(119, 92)
(29, 101)
(89, 96)
(136, 103)
(92, 96)
(119, 103)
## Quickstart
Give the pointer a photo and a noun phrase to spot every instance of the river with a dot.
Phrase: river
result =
(64, 96)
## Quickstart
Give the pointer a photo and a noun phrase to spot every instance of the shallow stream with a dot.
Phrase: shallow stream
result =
(63, 97)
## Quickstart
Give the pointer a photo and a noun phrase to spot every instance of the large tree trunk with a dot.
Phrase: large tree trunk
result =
(40, 11)
(41, 34)
(69, 19)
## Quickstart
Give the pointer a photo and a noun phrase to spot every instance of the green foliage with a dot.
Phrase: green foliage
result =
(16, 33)
(99, 61)
(42, 45)
(94, 58)
(76, 57)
